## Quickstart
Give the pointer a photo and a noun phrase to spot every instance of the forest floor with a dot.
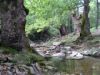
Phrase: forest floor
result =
(86, 52)
(54, 45)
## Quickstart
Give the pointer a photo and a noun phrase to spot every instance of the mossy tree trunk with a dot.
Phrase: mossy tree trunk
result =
(0, 27)
(13, 22)
(98, 9)
(85, 26)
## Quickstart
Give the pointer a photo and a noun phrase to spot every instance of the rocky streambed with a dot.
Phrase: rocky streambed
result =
(19, 69)
(67, 52)
(63, 60)
(70, 60)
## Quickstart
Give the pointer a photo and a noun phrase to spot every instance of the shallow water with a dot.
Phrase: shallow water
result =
(86, 66)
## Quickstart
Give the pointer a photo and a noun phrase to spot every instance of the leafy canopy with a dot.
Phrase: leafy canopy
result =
(48, 14)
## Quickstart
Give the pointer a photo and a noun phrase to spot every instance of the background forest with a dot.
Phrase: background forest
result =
(46, 17)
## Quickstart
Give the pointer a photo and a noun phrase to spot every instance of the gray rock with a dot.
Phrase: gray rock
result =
(60, 55)
(67, 48)
(9, 69)
(40, 52)
(56, 43)
(95, 52)
(31, 70)
(9, 73)
(74, 55)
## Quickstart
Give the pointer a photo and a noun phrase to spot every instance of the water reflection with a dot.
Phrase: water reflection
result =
(87, 66)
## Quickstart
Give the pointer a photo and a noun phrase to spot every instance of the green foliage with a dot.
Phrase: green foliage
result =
(7, 50)
(39, 25)
(48, 14)
(92, 13)
(27, 58)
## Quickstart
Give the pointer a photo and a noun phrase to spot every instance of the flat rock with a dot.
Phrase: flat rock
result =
(74, 55)
(56, 43)
(69, 55)
(95, 52)
(61, 54)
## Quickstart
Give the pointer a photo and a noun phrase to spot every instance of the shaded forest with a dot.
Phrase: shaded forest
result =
(49, 37)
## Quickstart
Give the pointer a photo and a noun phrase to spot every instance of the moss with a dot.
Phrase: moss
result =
(27, 58)
(7, 50)
(84, 34)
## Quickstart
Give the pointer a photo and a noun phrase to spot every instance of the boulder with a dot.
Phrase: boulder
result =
(56, 43)
(60, 55)
(74, 55)
(67, 48)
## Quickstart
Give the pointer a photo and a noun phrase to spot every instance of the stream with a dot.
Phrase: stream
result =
(65, 60)
(86, 66)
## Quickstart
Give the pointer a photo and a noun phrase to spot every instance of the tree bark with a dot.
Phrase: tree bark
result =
(85, 26)
(13, 22)
(63, 30)
(76, 22)
(97, 20)
(0, 27)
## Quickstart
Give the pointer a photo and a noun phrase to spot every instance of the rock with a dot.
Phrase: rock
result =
(19, 69)
(36, 69)
(40, 52)
(87, 52)
(19, 72)
(47, 53)
(68, 55)
(32, 45)
(74, 55)
(52, 47)
(5, 58)
(95, 52)
(67, 48)
(9, 73)
(56, 43)
(60, 55)
(31, 70)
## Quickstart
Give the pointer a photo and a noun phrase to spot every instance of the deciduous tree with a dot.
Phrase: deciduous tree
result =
(13, 22)
(85, 26)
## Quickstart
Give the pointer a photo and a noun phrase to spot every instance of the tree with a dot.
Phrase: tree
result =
(92, 14)
(85, 26)
(97, 20)
(13, 22)
(48, 14)
(76, 22)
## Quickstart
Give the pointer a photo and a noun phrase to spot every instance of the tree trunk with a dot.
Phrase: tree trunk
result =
(13, 22)
(76, 22)
(0, 27)
(85, 26)
(97, 20)
(63, 30)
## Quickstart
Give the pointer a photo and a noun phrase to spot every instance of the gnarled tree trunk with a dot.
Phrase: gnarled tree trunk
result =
(13, 21)
(85, 26)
